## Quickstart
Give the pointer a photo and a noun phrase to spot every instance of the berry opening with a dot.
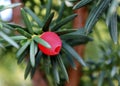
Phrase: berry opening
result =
(57, 48)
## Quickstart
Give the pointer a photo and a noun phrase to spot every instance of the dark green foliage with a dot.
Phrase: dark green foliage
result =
(62, 32)
(27, 70)
(61, 10)
(29, 38)
(113, 28)
(97, 11)
(8, 39)
(111, 20)
(63, 22)
(101, 78)
(27, 21)
(32, 54)
(72, 52)
(47, 64)
(47, 23)
(21, 58)
(62, 67)
(48, 9)
(55, 71)
(95, 14)
(81, 3)
(23, 32)
(70, 59)
(33, 15)
(23, 48)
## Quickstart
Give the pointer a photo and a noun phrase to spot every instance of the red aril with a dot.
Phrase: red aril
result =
(55, 42)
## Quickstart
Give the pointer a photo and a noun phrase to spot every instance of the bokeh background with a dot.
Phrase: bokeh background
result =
(12, 74)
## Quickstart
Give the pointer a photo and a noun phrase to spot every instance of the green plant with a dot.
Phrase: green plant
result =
(28, 38)
(5, 28)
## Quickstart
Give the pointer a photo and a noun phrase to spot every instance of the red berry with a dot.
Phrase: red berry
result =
(54, 40)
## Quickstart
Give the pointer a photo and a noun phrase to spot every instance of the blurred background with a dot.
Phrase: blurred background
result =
(12, 74)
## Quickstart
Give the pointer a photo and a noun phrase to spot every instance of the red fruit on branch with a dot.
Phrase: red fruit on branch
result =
(54, 40)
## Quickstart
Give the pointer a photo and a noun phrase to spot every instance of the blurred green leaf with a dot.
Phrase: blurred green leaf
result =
(22, 49)
(13, 25)
(73, 53)
(42, 2)
(15, 38)
(76, 38)
(8, 39)
(70, 59)
(27, 21)
(27, 70)
(63, 22)
(38, 56)
(47, 22)
(47, 64)
(75, 35)
(80, 31)
(110, 81)
(2, 7)
(32, 53)
(62, 67)
(95, 14)
(18, 38)
(75, 42)
(37, 63)
(42, 42)
(101, 78)
(118, 78)
(72, 0)
(23, 32)
(112, 25)
(113, 71)
(36, 48)
(33, 69)
(55, 71)
(48, 9)
(61, 10)
(112, 10)
(7, 26)
(1, 46)
(111, 20)
(62, 32)
(34, 16)
(20, 59)
(81, 4)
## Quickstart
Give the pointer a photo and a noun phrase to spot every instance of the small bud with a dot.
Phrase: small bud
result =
(54, 40)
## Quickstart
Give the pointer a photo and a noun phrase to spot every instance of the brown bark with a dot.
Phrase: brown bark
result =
(79, 22)
(16, 13)
(39, 78)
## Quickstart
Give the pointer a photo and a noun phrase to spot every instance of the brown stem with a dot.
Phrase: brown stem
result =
(79, 22)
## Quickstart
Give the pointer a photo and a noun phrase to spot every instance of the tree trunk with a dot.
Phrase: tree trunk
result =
(39, 78)
(16, 13)
(79, 22)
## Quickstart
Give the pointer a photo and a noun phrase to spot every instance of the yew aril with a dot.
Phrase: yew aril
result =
(55, 42)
